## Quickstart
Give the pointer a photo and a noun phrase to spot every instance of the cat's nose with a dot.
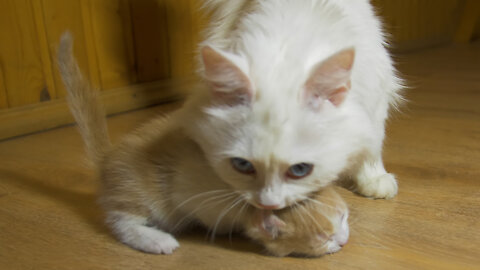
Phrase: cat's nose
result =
(269, 207)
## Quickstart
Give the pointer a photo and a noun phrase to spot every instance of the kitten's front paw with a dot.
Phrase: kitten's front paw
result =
(343, 230)
(341, 235)
(332, 246)
(378, 187)
(152, 240)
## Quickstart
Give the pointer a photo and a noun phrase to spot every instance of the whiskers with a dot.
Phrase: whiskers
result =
(239, 213)
(322, 204)
(214, 204)
(301, 210)
(203, 194)
(205, 204)
(224, 212)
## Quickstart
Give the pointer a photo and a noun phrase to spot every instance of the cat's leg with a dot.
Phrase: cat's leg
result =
(133, 231)
(369, 176)
(372, 180)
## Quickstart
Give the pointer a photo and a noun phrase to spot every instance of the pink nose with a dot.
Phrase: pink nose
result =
(269, 207)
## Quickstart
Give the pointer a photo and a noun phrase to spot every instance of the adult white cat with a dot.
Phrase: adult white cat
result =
(298, 93)
(297, 82)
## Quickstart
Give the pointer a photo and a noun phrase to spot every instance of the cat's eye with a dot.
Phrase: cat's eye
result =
(242, 165)
(299, 170)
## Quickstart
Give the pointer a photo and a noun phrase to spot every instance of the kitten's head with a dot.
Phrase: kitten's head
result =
(275, 140)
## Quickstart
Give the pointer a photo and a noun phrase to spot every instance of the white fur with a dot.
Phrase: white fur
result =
(340, 238)
(132, 230)
(343, 233)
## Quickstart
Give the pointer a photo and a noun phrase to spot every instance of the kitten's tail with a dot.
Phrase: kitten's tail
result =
(83, 101)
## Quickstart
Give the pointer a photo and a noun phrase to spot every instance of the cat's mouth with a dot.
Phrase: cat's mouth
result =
(280, 205)
(267, 207)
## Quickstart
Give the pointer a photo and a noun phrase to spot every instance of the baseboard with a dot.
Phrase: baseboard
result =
(51, 114)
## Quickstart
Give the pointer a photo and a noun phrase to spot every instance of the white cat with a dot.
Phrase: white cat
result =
(298, 93)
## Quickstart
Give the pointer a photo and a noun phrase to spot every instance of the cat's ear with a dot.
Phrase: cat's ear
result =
(228, 83)
(330, 79)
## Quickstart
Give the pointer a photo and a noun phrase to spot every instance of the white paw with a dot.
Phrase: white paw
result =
(379, 187)
(340, 238)
(336, 241)
(332, 246)
(343, 231)
(151, 240)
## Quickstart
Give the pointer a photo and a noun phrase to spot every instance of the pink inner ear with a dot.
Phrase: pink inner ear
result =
(330, 80)
(337, 96)
(229, 85)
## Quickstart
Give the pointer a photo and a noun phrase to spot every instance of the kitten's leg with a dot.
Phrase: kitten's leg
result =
(133, 231)
(372, 180)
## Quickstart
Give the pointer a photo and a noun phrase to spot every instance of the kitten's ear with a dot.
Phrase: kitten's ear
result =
(330, 79)
(229, 85)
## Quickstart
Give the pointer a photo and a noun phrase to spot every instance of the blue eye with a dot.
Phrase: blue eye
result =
(299, 170)
(242, 165)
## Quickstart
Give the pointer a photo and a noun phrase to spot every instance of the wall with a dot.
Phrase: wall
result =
(415, 24)
(134, 51)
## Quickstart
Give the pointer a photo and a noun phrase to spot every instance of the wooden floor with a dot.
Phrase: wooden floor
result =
(49, 219)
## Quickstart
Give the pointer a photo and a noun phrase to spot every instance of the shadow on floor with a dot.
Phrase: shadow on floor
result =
(83, 204)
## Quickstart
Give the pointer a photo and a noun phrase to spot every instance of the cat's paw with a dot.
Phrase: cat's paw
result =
(329, 246)
(332, 246)
(340, 238)
(151, 240)
(378, 187)
(343, 230)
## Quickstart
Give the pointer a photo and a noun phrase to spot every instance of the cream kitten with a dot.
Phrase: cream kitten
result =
(298, 93)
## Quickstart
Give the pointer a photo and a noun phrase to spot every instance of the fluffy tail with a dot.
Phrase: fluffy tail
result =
(83, 102)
